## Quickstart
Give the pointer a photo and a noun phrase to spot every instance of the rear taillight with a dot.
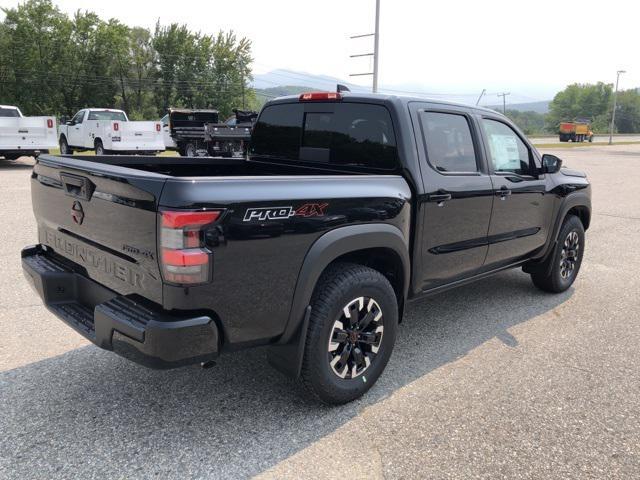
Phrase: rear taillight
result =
(157, 127)
(184, 258)
(116, 126)
(49, 123)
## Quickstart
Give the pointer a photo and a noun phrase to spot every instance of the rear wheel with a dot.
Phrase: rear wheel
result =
(100, 148)
(351, 332)
(561, 269)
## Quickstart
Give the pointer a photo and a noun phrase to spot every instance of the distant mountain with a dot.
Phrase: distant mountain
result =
(538, 107)
(282, 81)
(282, 77)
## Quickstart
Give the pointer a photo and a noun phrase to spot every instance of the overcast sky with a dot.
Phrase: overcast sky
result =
(531, 49)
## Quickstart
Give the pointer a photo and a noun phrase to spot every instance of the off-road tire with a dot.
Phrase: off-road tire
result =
(552, 276)
(338, 286)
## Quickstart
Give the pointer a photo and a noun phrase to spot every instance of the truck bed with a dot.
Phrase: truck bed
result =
(207, 166)
(270, 210)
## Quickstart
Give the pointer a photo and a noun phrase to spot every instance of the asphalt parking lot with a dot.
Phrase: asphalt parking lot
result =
(492, 380)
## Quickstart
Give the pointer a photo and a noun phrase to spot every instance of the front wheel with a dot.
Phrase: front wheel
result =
(351, 334)
(561, 269)
(64, 147)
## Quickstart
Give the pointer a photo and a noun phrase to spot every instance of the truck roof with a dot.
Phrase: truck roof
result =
(380, 97)
(191, 110)
(104, 109)
(9, 106)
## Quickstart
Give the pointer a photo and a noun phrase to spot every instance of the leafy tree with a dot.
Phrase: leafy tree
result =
(531, 123)
(51, 63)
(579, 101)
(628, 112)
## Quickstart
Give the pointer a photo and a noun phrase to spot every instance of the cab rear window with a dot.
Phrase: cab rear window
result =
(107, 116)
(345, 134)
(9, 112)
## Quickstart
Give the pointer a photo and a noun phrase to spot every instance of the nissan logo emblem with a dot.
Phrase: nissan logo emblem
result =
(77, 213)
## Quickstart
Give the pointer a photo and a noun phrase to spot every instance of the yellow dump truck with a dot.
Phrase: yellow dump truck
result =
(575, 132)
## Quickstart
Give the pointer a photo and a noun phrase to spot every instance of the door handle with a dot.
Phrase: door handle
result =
(439, 197)
(76, 186)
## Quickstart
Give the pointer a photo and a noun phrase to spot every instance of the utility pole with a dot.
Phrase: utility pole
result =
(376, 43)
(484, 90)
(613, 114)
(504, 101)
(374, 54)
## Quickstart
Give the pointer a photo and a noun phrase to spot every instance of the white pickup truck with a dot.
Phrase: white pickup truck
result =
(20, 135)
(108, 132)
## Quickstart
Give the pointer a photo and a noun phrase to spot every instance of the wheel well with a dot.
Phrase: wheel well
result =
(98, 139)
(384, 260)
(583, 214)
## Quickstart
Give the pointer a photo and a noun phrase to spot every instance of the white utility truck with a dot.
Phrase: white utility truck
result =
(108, 132)
(20, 135)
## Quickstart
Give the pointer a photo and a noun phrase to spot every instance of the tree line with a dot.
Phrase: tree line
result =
(52, 63)
(592, 102)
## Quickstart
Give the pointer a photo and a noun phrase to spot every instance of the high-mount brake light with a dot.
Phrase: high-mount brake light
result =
(184, 258)
(116, 126)
(49, 123)
(320, 96)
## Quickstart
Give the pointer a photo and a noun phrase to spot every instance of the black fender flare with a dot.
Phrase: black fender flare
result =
(576, 199)
(286, 355)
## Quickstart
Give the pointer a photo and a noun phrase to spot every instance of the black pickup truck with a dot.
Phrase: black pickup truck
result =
(347, 207)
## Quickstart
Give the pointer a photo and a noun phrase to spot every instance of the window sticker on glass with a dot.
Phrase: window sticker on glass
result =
(504, 151)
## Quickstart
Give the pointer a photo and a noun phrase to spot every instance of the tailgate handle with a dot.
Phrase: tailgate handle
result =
(76, 186)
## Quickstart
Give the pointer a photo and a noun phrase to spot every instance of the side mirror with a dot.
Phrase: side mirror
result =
(550, 163)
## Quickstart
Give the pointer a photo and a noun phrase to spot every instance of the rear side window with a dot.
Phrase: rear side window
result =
(107, 116)
(448, 142)
(9, 112)
(346, 134)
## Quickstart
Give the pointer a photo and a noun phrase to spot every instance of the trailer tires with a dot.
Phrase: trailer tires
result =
(189, 150)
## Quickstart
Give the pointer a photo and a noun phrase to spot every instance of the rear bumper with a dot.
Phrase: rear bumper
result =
(153, 338)
(27, 151)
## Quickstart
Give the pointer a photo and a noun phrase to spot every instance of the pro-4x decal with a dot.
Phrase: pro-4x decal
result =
(282, 213)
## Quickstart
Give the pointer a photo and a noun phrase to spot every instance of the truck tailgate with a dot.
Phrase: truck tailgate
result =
(146, 136)
(28, 133)
(102, 218)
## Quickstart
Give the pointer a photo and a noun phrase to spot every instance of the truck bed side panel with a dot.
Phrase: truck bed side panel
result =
(269, 226)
